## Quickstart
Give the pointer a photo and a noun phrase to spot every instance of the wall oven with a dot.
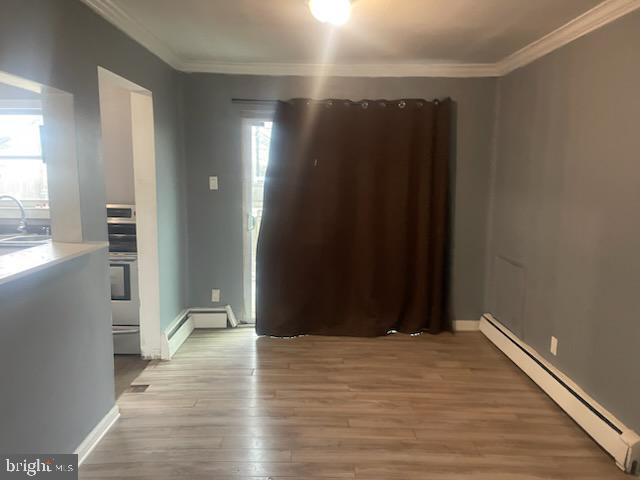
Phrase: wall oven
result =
(123, 270)
(125, 303)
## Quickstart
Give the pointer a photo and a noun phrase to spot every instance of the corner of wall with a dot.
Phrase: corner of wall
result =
(493, 167)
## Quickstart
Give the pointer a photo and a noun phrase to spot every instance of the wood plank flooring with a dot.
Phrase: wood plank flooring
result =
(233, 406)
(126, 369)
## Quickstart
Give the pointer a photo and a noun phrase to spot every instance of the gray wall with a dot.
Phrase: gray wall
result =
(212, 140)
(564, 222)
(57, 368)
(61, 43)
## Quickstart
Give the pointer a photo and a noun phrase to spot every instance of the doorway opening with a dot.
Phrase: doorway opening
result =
(256, 141)
(128, 147)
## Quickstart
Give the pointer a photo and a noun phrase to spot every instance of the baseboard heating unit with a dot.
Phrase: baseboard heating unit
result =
(622, 443)
(213, 317)
(188, 320)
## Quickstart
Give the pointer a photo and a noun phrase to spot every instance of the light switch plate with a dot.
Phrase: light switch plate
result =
(213, 183)
(215, 295)
(554, 346)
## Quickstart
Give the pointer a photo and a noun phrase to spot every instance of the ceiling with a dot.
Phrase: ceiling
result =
(280, 36)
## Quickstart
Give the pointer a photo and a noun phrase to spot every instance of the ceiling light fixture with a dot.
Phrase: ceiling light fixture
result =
(335, 12)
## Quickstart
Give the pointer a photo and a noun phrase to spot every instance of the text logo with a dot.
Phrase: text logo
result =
(64, 466)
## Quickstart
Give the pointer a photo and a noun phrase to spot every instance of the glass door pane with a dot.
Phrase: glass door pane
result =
(260, 141)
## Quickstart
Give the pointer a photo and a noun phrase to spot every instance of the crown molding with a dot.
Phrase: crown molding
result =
(602, 14)
(599, 16)
(123, 21)
(337, 70)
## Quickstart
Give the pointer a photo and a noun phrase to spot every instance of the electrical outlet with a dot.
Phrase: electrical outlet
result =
(213, 183)
(554, 346)
(215, 295)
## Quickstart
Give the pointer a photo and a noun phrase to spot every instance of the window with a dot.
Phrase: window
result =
(23, 173)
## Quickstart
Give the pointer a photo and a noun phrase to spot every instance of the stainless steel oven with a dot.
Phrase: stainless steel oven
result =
(123, 270)
(118, 213)
(125, 302)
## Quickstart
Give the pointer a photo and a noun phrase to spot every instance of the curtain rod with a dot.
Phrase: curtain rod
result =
(273, 102)
(253, 100)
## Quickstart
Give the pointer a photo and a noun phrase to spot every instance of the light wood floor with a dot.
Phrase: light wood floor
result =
(232, 406)
(126, 369)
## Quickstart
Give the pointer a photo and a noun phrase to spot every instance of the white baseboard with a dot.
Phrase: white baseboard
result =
(233, 322)
(466, 325)
(173, 343)
(622, 443)
(99, 431)
(180, 335)
(189, 319)
(176, 321)
(220, 317)
(175, 334)
(209, 319)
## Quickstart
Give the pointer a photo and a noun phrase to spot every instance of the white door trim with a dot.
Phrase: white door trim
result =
(144, 172)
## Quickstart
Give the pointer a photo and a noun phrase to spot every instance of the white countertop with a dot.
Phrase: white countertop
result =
(29, 260)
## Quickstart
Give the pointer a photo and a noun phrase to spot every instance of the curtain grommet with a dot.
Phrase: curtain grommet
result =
(365, 105)
(402, 104)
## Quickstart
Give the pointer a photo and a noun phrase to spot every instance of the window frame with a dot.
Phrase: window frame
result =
(35, 208)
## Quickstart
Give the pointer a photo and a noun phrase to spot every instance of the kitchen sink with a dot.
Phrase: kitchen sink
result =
(23, 240)
(26, 237)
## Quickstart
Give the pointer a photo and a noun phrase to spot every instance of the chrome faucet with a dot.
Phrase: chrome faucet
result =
(22, 225)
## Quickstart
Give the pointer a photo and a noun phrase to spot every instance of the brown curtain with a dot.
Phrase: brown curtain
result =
(354, 233)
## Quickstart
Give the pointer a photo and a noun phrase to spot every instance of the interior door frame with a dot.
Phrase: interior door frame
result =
(144, 171)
